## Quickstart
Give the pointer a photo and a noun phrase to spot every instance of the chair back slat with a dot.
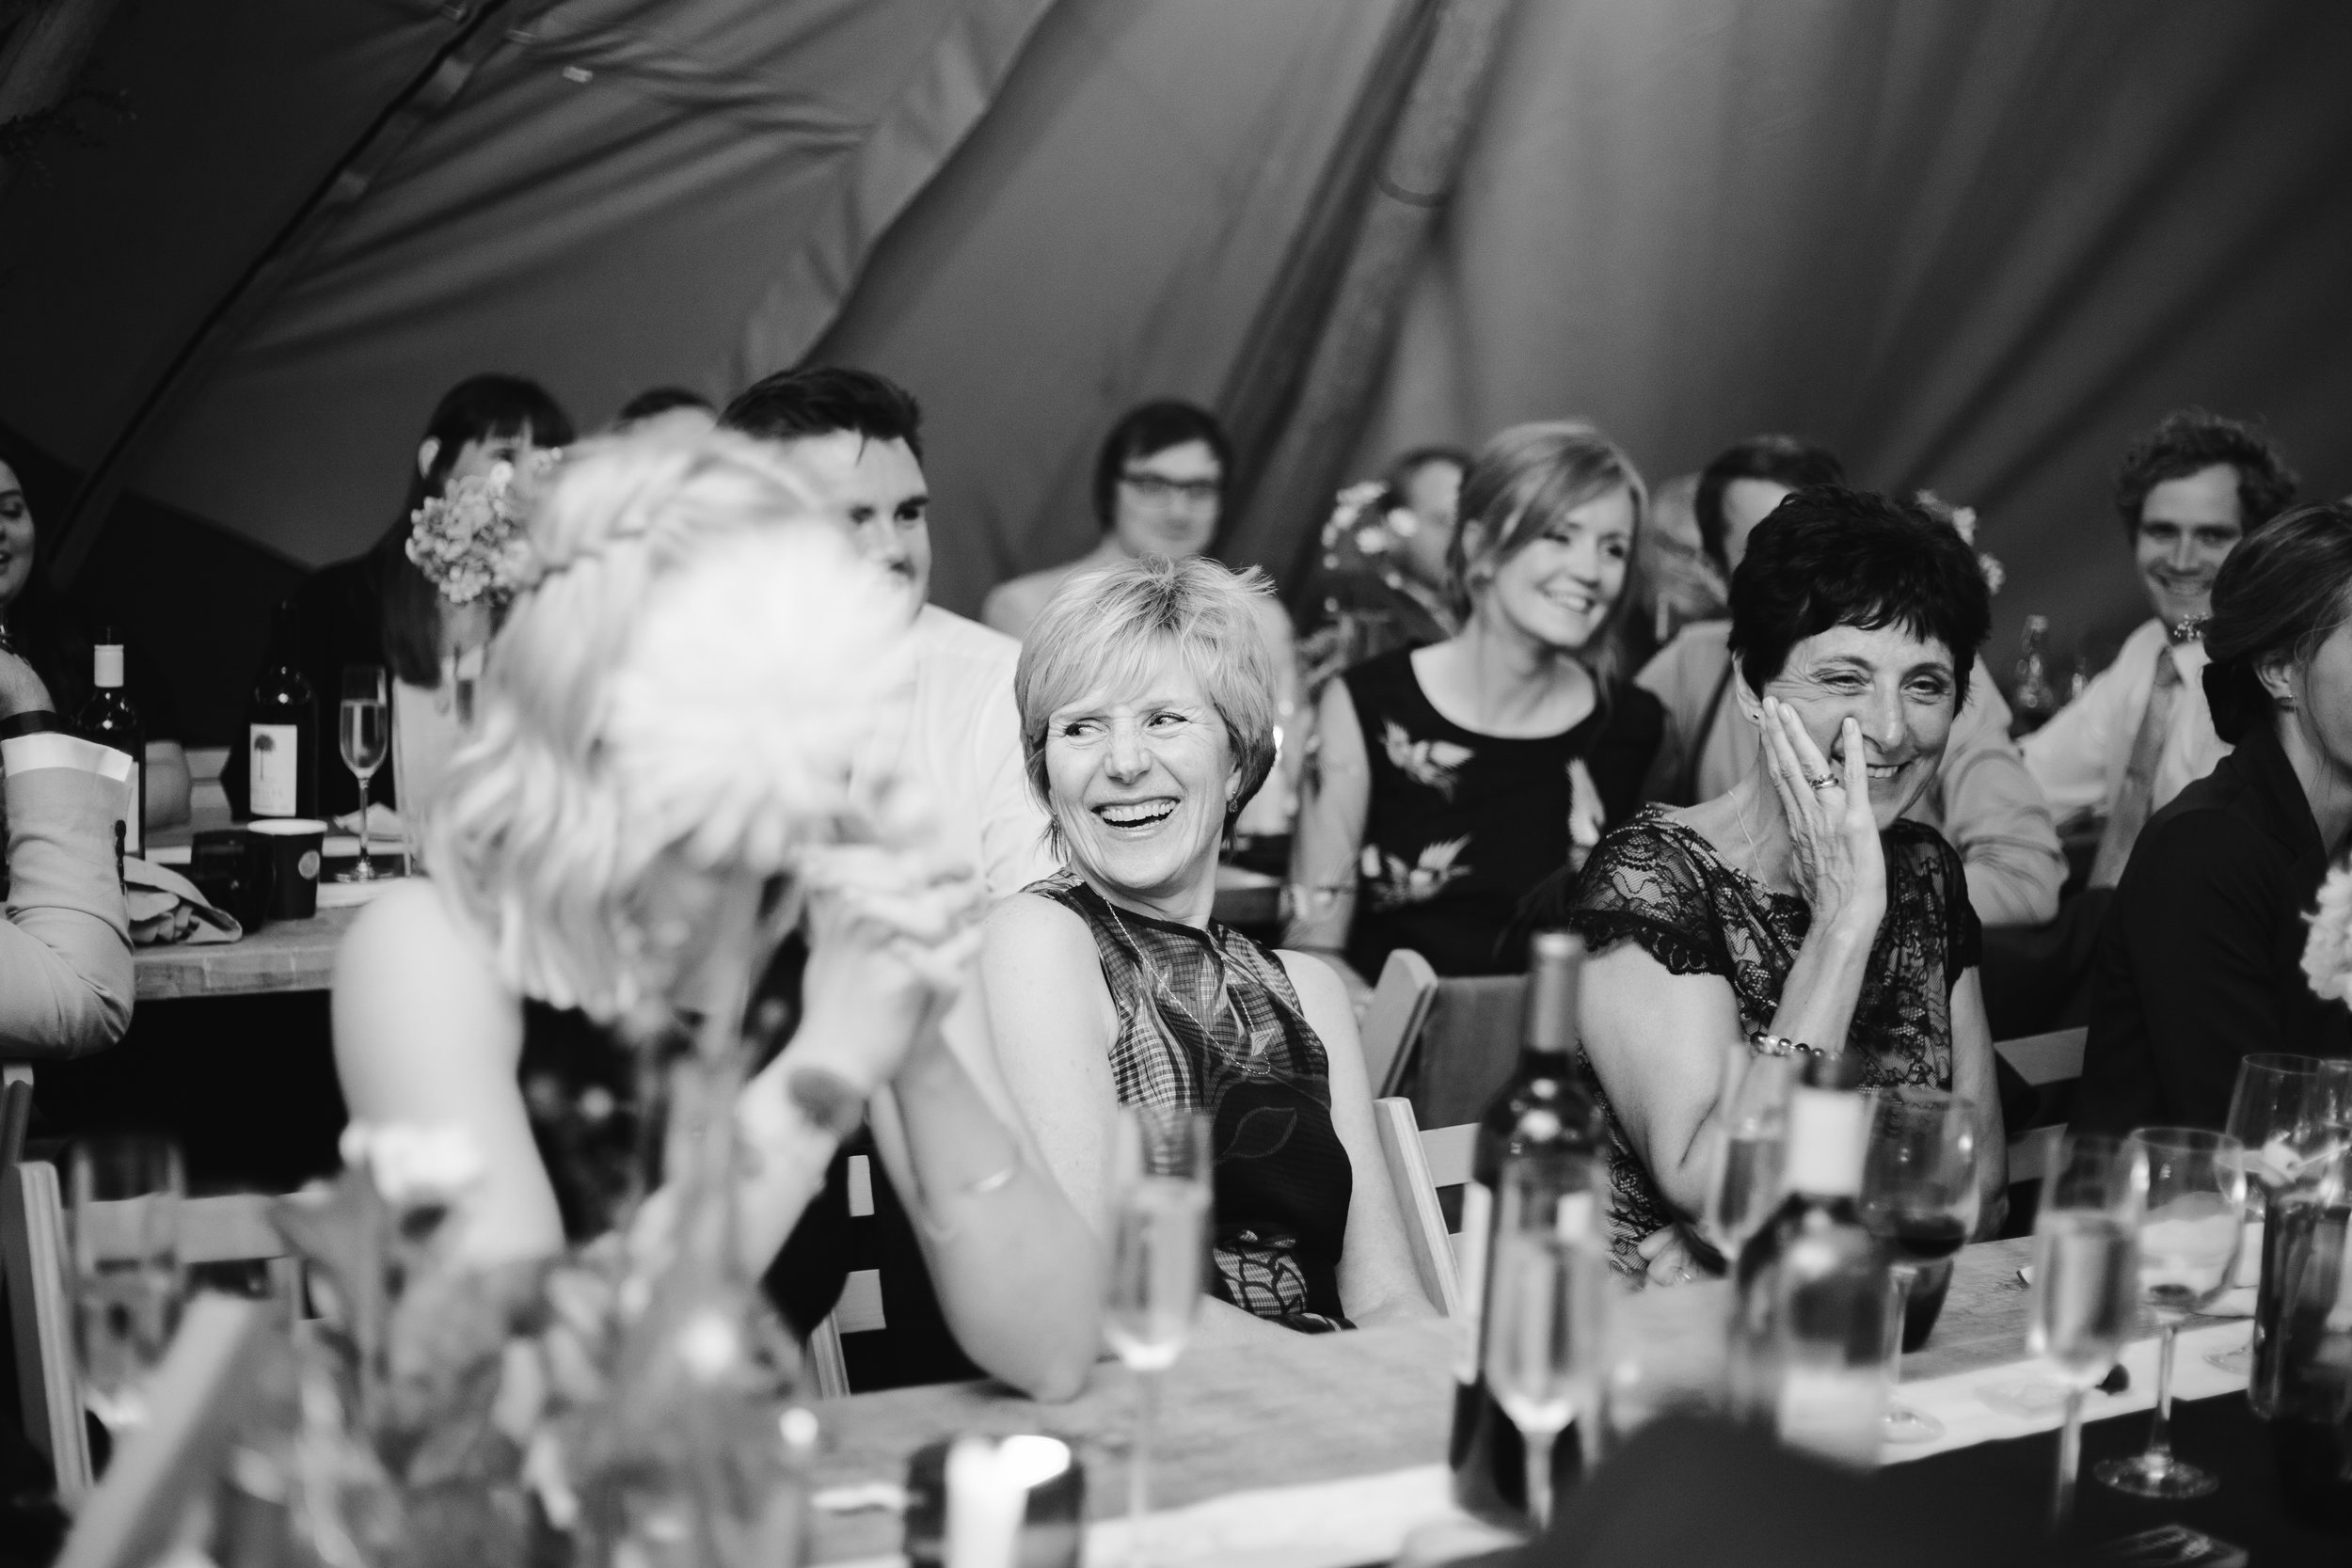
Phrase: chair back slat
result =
(1404, 1150)
(1395, 1020)
(1468, 1047)
(32, 1236)
(2044, 1059)
(16, 1110)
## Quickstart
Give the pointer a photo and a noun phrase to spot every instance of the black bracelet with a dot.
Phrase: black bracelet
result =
(33, 721)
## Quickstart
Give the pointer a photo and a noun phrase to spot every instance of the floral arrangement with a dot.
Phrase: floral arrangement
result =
(469, 540)
(2328, 951)
(1963, 522)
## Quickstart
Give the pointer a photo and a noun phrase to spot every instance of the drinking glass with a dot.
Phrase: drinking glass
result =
(1160, 1194)
(2281, 1110)
(1546, 1311)
(2188, 1241)
(1919, 1198)
(124, 1194)
(2086, 1267)
(364, 732)
(1743, 1186)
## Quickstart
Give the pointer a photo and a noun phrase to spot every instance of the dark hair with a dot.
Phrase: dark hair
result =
(478, 408)
(1155, 427)
(660, 400)
(2274, 600)
(823, 400)
(1832, 557)
(2190, 440)
(1781, 459)
(1414, 460)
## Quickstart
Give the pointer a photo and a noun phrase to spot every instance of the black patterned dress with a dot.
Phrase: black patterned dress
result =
(1660, 883)
(1460, 825)
(1208, 1018)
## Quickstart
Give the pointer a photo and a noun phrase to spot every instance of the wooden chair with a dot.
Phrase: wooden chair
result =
(231, 1228)
(2049, 1063)
(1467, 1050)
(16, 1110)
(1419, 1165)
(1398, 1011)
(860, 1308)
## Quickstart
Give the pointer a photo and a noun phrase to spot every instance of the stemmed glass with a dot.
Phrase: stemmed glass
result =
(2281, 1110)
(2188, 1242)
(2086, 1268)
(125, 1196)
(1919, 1198)
(364, 734)
(1547, 1309)
(1743, 1186)
(1160, 1195)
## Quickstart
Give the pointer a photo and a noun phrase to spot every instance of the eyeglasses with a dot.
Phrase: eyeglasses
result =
(1160, 490)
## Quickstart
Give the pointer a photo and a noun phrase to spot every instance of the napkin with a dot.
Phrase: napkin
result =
(165, 907)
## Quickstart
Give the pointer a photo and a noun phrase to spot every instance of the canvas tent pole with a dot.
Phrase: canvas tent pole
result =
(1280, 510)
(477, 32)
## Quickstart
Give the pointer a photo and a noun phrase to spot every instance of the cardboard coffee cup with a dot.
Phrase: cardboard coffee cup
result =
(230, 867)
(295, 845)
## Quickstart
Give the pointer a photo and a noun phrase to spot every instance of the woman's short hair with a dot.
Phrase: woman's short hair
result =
(2190, 440)
(1781, 459)
(2275, 601)
(569, 852)
(1519, 485)
(1109, 628)
(1155, 427)
(1832, 557)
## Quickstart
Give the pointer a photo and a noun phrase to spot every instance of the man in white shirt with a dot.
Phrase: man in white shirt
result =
(2187, 493)
(856, 440)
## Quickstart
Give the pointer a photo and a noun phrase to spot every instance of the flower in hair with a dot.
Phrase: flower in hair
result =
(1963, 521)
(470, 541)
(757, 671)
(2328, 950)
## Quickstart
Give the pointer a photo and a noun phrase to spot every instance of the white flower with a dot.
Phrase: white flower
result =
(2328, 951)
(412, 1165)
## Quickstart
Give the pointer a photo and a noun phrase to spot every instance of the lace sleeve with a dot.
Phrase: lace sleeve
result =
(1641, 885)
(1942, 878)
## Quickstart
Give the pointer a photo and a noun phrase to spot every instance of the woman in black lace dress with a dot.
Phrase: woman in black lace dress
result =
(1796, 911)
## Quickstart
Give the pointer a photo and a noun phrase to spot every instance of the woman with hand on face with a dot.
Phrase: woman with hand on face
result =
(1451, 778)
(691, 660)
(1798, 909)
(1147, 717)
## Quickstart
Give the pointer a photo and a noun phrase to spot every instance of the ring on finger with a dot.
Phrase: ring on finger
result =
(1821, 781)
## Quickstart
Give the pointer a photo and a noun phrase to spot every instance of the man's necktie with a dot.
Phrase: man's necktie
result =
(2140, 776)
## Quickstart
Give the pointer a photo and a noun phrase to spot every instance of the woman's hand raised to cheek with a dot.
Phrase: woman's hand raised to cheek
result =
(1837, 860)
(892, 935)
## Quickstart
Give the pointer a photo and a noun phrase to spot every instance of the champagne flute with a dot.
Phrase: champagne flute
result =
(1160, 1163)
(2281, 1109)
(1743, 1186)
(2086, 1268)
(364, 734)
(1547, 1309)
(1919, 1198)
(125, 1196)
(2188, 1242)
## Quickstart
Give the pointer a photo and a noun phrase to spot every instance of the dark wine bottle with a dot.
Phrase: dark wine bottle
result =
(1545, 1108)
(1808, 1336)
(110, 720)
(283, 730)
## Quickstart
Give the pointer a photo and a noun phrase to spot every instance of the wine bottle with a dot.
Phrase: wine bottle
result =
(1544, 1109)
(1808, 1340)
(283, 728)
(2037, 699)
(110, 720)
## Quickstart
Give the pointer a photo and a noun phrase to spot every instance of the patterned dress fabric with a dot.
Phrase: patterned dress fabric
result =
(1463, 825)
(1660, 883)
(1208, 1019)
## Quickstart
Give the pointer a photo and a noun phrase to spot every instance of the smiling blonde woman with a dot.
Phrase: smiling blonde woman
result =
(1146, 719)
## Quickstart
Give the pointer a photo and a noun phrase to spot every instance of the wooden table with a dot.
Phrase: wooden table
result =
(1326, 1408)
(282, 955)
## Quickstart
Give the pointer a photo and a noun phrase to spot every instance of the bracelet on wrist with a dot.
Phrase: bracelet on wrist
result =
(1781, 1045)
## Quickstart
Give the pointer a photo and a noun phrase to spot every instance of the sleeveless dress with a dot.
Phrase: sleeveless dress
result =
(596, 1115)
(1209, 1019)
(1461, 825)
(1662, 885)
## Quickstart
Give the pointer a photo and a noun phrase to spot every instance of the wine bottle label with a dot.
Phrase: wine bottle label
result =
(276, 768)
(1478, 1207)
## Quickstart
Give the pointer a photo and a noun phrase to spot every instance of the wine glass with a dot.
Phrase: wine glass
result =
(1919, 1198)
(2188, 1242)
(125, 1196)
(1547, 1309)
(364, 734)
(1160, 1197)
(1743, 1186)
(2280, 1110)
(2086, 1271)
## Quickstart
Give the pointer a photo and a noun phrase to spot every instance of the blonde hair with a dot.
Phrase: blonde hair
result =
(665, 700)
(1107, 629)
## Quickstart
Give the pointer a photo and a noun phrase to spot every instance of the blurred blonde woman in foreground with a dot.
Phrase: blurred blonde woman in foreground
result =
(674, 703)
